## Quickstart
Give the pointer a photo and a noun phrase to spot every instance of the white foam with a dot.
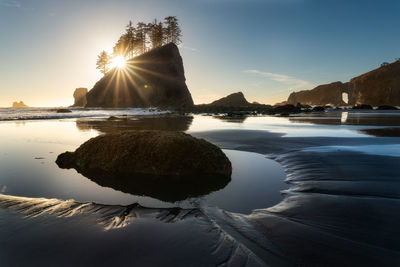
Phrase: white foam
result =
(7, 114)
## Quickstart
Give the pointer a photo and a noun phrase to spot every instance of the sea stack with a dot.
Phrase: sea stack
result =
(19, 104)
(232, 100)
(80, 97)
(154, 79)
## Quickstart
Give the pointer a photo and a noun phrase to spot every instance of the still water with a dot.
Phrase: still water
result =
(27, 164)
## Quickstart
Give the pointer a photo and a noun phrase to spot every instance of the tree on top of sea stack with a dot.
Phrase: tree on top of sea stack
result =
(103, 61)
(172, 31)
(141, 39)
(157, 31)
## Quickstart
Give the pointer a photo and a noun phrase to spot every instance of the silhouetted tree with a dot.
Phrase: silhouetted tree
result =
(172, 30)
(156, 34)
(384, 64)
(121, 48)
(103, 60)
(135, 40)
(141, 38)
(130, 39)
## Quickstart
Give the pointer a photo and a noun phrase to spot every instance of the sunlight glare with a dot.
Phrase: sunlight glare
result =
(118, 62)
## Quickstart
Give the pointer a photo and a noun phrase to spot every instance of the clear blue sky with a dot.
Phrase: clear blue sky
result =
(264, 48)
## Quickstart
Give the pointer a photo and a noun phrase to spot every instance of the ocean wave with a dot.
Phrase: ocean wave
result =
(11, 114)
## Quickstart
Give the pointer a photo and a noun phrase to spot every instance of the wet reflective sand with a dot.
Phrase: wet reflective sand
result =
(340, 207)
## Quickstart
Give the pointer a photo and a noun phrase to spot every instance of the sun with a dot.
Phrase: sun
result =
(118, 62)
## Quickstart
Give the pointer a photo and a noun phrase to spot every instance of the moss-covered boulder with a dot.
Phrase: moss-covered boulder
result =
(163, 164)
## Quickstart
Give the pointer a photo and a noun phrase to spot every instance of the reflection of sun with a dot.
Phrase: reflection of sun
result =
(118, 62)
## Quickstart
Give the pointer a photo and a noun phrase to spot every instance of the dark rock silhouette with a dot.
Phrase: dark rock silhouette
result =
(382, 132)
(19, 104)
(299, 105)
(318, 109)
(232, 100)
(286, 109)
(155, 78)
(63, 110)
(362, 106)
(377, 87)
(386, 107)
(80, 97)
(234, 105)
(151, 163)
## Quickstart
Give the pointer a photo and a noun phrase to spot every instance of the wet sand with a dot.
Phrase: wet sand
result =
(341, 208)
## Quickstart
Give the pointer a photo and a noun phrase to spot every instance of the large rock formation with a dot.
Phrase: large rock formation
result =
(19, 104)
(149, 152)
(80, 97)
(167, 165)
(234, 105)
(378, 87)
(155, 78)
(321, 95)
(232, 100)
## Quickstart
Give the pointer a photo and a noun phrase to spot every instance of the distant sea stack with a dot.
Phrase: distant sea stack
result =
(155, 78)
(80, 97)
(377, 87)
(232, 100)
(19, 104)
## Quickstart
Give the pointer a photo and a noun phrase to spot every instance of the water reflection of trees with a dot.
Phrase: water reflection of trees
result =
(165, 123)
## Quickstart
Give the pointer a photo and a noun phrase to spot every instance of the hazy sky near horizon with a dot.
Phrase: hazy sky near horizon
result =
(264, 48)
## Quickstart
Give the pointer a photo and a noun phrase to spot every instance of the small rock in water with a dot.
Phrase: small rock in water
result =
(386, 107)
(63, 110)
(318, 109)
(362, 106)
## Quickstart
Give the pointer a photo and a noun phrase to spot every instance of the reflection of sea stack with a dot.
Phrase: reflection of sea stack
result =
(19, 104)
(155, 78)
(115, 124)
(80, 97)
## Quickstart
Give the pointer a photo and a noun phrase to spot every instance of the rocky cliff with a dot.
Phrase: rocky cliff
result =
(321, 95)
(377, 87)
(232, 100)
(80, 97)
(155, 78)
